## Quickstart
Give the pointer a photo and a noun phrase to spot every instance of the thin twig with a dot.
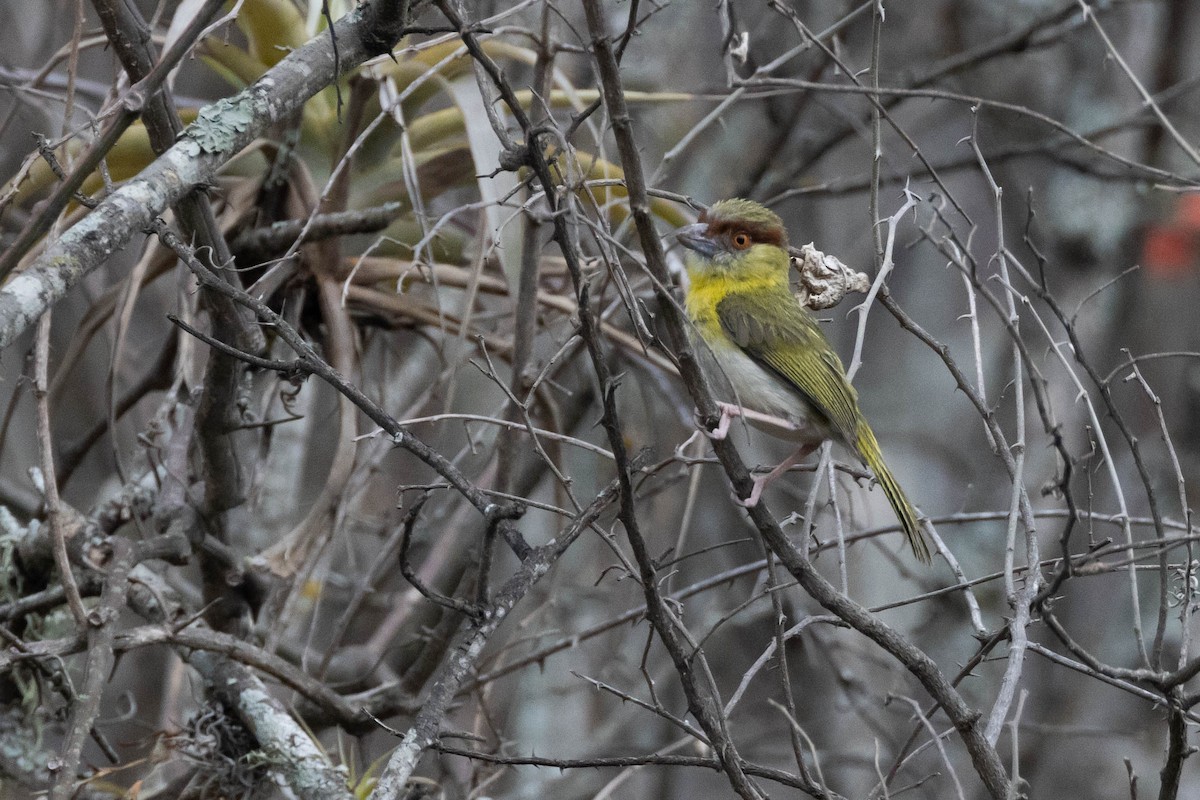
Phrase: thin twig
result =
(55, 513)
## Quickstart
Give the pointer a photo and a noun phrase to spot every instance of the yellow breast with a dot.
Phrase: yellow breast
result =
(737, 378)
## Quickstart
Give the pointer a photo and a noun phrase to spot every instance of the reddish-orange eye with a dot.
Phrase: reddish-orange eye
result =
(741, 240)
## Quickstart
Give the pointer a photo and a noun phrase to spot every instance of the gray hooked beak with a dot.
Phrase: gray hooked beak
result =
(695, 237)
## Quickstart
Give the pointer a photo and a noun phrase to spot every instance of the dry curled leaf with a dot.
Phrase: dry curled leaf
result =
(824, 279)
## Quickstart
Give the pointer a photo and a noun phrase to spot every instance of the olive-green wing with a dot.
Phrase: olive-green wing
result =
(783, 338)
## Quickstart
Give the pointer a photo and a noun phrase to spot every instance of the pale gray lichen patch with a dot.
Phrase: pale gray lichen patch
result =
(217, 127)
(32, 293)
(24, 290)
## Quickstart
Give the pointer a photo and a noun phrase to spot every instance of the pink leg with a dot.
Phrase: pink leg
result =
(729, 411)
(761, 482)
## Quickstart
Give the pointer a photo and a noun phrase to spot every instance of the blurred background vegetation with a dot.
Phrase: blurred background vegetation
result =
(1067, 300)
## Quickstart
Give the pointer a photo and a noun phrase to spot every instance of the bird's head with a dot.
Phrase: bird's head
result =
(733, 236)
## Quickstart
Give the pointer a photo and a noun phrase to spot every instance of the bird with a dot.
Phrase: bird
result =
(756, 340)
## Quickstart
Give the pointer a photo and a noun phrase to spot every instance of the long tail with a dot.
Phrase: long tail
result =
(868, 448)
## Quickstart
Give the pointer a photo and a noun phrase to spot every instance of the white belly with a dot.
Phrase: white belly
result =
(738, 379)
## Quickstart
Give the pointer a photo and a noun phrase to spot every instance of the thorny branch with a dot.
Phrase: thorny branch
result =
(986, 759)
(407, 610)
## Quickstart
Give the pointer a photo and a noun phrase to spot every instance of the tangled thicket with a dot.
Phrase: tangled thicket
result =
(349, 445)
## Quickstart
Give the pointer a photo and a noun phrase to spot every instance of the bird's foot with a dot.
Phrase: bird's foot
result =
(728, 412)
(776, 426)
(762, 481)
